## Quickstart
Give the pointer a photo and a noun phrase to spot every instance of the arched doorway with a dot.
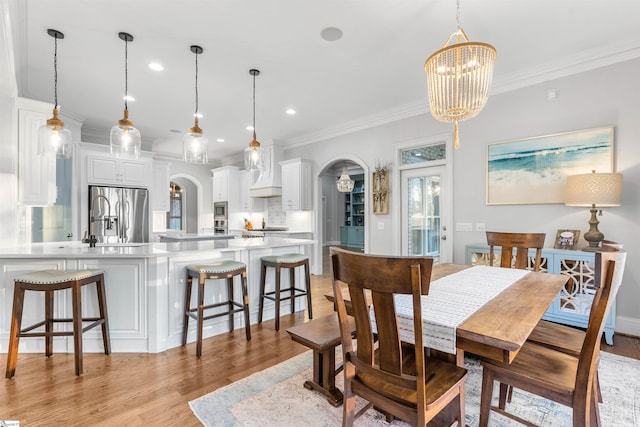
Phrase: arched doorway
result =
(191, 201)
(341, 213)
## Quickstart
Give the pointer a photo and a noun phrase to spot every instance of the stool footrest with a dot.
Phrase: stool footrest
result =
(25, 332)
(297, 293)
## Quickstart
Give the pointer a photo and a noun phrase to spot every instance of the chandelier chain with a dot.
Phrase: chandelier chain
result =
(458, 13)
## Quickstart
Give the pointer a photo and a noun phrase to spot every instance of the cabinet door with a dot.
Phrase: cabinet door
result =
(291, 187)
(249, 204)
(221, 186)
(134, 172)
(356, 237)
(36, 174)
(160, 195)
(102, 170)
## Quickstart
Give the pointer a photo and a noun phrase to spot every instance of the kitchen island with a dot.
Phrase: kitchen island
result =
(145, 286)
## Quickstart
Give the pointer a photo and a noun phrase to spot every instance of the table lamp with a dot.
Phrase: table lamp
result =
(597, 190)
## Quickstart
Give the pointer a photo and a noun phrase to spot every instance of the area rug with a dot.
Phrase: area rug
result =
(276, 397)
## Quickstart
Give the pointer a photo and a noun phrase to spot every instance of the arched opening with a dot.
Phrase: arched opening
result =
(342, 218)
(191, 202)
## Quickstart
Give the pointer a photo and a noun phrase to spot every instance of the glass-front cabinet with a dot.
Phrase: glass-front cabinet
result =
(352, 232)
(573, 304)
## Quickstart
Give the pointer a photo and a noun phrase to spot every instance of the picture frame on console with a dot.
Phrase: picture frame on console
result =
(567, 239)
(534, 170)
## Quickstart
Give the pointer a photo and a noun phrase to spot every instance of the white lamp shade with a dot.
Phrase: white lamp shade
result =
(599, 189)
(125, 140)
(54, 141)
(195, 148)
(253, 158)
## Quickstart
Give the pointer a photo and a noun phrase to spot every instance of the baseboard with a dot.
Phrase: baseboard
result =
(628, 325)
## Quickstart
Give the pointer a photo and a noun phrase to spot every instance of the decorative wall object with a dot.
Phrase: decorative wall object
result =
(567, 239)
(534, 170)
(380, 190)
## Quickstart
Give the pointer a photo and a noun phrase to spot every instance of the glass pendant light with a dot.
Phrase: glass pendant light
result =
(53, 138)
(254, 154)
(194, 142)
(125, 138)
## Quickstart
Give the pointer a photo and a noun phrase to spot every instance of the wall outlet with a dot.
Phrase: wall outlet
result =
(481, 226)
(381, 226)
(464, 226)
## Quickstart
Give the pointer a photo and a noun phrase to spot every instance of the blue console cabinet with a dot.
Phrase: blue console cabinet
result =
(573, 304)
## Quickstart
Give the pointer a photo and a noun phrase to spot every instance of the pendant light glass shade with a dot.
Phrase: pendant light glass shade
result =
(459, 77)
(254, 153)
(53, 138)
(345, 183)
(125, 138)
(194, 142)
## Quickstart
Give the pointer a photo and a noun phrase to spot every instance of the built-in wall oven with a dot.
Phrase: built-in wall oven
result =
(220, 217)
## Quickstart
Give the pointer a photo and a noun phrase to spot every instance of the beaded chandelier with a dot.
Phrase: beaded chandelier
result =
(458, 78)
(345, 183)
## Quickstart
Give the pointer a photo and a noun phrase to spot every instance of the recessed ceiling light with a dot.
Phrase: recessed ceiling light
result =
(290, 111)
(129, 98)
(220, 140)
(155, 66)
(331, 34)
(249, 128)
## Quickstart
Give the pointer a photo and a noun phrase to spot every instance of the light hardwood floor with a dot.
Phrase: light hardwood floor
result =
(126, 389)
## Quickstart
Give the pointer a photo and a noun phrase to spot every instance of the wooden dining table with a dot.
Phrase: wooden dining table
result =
(499, 328)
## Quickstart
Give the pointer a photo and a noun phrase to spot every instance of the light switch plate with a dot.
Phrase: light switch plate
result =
(481, 226)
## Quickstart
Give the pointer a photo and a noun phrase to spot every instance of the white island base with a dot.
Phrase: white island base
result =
(145, 287)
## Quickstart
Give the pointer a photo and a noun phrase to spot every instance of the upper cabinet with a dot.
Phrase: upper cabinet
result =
(247, 203)
(121, 172)
(297, 192)
(160, 188)
(36, 174)
(225, 185)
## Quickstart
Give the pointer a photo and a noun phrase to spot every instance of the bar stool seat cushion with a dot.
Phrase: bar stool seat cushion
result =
(285, 258)
(216, 267)
(51, 277)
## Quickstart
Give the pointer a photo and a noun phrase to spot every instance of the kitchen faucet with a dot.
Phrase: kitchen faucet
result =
(109, 224)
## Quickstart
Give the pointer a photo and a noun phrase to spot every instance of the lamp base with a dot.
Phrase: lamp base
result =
(593, 236)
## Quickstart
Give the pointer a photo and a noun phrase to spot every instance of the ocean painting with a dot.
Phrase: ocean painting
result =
(534, 170)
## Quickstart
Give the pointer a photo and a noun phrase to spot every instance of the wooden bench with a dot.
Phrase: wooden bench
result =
(322, 335)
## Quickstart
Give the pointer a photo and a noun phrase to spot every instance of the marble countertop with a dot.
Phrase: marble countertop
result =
(77, 249)
(176, 237)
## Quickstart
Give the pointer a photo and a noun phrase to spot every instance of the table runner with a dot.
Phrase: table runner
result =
(451, 300)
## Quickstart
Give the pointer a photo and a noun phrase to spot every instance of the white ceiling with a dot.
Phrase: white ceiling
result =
(374, 73)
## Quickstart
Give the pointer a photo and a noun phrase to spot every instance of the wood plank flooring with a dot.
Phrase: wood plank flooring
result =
(154, 389)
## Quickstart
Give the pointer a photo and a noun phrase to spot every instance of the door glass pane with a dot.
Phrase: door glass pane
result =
(423, 200)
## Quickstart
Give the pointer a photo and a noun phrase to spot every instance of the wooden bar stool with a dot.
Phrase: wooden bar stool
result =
(290, 261)
(48, 281)
(217, 270)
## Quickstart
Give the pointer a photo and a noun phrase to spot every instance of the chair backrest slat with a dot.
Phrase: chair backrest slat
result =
(521, 242)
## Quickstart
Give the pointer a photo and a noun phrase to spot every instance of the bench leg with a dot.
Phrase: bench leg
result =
(324, 376)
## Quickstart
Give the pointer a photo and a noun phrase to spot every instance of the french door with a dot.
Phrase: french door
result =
(424, 194)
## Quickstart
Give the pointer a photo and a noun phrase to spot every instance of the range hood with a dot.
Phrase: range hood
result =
(269, 183)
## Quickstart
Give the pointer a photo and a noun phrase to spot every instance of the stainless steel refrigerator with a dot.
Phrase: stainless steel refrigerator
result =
(118, 214)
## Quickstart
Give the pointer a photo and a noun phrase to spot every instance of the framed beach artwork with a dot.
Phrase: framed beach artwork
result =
(534, 170)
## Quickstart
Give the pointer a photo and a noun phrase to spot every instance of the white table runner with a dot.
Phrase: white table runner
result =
(451, 300)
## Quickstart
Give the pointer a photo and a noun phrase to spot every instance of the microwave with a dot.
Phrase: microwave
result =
(220, 210)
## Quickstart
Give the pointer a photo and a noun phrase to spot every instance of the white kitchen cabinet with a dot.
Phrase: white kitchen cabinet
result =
(115, 171)
(160, 188)
(250, 204)
(36, 173)
(297, 192)
(226, 185)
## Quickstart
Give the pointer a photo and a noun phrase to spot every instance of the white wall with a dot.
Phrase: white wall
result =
(602, 97)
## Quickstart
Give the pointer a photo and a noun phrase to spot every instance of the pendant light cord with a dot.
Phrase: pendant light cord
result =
(55, 71)
(196, 113)
(126, 73)
(254, 106)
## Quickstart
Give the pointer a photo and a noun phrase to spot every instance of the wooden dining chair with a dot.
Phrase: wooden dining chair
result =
(395, 377)
(521, 243)
(556, 375)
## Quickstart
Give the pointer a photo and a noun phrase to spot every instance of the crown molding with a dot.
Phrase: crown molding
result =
(570, 65)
